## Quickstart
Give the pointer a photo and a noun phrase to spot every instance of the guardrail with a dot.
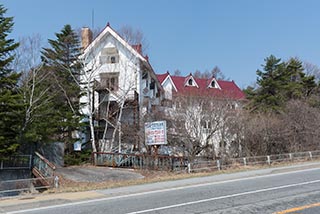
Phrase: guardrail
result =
(211, 165)
(16, 162)
(139, 161)
(15, 187)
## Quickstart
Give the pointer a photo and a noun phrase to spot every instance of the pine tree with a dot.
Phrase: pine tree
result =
(279, 83)
(267, 97)
(61, 60)
(10, 107)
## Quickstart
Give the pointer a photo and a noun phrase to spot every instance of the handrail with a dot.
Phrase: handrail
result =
(51, 165)
(45, 167)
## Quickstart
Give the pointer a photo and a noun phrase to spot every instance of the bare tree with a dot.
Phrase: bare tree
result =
(217, 73)
(134, 37)
(177, 72)
(312, 70)
(36, 93)
(302, 128)
(197, 74)
(198, 122)
(106, 97)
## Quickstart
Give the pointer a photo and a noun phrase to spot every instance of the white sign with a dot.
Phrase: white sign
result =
(77, 146)
(156, 133)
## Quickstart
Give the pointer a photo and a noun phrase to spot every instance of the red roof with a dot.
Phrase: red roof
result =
(162, 77)
(227, 89)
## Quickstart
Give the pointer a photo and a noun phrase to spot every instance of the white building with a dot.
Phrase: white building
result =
(119, 83)
(200, 110)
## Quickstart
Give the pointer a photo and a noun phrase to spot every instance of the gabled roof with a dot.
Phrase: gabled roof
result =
(226, 89)
(187, 79)
(135, 49)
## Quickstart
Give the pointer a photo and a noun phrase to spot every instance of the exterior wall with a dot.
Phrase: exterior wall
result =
(128, 69)
(136, 92)
(167, 86)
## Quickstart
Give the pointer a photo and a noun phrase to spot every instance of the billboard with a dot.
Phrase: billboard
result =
(156, 133)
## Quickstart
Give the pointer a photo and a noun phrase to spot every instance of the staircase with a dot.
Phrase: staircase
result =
(15, 174)
(43, 170)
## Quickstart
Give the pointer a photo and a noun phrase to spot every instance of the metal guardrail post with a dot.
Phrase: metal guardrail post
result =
(218, 165)
(189, 168)
(310, 154)
(56, 182)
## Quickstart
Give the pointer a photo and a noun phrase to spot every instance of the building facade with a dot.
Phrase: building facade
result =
(119, 86)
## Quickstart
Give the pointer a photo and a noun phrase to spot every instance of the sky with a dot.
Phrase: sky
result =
(189, 35)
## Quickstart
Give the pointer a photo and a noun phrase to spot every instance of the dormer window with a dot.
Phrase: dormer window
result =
(190, 81)
(214, 84)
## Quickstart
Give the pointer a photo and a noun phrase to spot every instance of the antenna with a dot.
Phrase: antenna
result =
(92, 19)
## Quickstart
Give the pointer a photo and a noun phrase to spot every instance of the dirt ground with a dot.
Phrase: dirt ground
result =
(97, 174)
(86, 177)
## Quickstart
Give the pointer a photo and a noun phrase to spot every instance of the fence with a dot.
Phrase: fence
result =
(178, 163)
(211, 165)
(42, 169)
(139, 161)
(16, 162)
(15, 187)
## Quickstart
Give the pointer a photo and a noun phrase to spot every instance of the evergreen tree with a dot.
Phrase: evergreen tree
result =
(10, 107)
(267, 97)
(279, 83)
(61, 60)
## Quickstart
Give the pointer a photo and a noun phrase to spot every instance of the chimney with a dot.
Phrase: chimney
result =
(86, 37)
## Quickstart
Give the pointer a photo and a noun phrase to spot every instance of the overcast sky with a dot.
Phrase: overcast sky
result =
(235, 35)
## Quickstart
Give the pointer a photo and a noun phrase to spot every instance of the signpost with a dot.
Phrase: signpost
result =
(156, 133)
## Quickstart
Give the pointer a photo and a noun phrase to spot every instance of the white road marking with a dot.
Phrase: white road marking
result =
(224, 197)
(179, 188)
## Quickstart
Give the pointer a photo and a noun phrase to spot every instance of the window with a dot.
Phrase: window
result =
(144, 75)
(190, 82)
(109, 81)
(109, 56)
(113, 59)
(213, 84)
(152, 85)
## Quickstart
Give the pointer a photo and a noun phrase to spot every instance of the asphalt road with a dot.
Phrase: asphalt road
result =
(285, 190)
